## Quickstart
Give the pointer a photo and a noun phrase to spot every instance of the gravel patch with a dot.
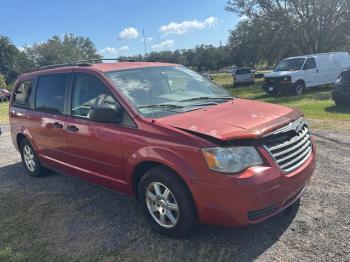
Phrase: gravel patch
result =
(61, 218)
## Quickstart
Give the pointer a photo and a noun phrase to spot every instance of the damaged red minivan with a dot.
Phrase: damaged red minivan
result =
(184, 147)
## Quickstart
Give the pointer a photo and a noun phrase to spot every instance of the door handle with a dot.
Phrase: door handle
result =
(57, 125)
(72, 128)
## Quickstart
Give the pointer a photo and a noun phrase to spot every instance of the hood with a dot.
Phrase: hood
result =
(236, 119)
(281, 73)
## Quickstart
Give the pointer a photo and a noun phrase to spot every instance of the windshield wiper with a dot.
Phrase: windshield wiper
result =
(171, 106)
(207, 98)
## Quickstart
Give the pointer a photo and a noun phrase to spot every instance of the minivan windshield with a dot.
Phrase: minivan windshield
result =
(292, 64)
(166, 90)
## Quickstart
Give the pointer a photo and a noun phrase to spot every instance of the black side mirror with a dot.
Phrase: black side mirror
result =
(106, 114)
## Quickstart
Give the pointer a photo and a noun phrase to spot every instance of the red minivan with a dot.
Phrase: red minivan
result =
(184, 147)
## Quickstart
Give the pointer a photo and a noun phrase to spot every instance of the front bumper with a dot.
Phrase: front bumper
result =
(243, 81)
(282, 88)
(252, 196)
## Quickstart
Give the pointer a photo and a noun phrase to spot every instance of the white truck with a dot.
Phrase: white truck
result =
(297, 73)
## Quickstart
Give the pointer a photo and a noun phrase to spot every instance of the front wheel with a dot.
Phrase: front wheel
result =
(299, 88)
(166, 202)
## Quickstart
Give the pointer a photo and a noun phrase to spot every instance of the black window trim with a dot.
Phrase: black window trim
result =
(69, 76)
(70, 99)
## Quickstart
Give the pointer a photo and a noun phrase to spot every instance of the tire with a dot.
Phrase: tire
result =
(177, 209)
(299, 88)
(340, 102)
(274, 92)
(30, 159)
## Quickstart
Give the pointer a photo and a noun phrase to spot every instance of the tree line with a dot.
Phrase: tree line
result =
(268, 30)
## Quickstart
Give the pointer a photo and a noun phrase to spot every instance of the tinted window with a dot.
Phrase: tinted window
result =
(243, 71)
(346, 76)
(310, 64)
(23, 93)
(50, 93)
(89, 91)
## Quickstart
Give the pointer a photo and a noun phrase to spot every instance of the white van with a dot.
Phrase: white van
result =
(297, 73)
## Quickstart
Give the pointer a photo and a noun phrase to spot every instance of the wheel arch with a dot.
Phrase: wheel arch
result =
(300, 81)
(141, 169)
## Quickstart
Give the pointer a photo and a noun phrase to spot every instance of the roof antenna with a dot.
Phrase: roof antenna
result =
(147, 68)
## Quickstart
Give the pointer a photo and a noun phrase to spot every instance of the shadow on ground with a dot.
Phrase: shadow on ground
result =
(58, 217)
(338, 109)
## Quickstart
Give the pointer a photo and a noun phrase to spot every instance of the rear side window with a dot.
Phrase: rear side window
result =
(23, 93)
(50, 93)
(310, 64)
(243, 71)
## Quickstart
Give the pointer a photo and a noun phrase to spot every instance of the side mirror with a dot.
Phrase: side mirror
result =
(106, 113)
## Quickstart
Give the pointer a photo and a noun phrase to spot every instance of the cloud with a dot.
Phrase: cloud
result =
(108, 51)
(124, 49)
(20, 48)
(185, 26)
(129, 33)
(164, 45)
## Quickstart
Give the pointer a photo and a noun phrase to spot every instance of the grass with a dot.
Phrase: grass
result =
(316, 104)
(4, 107)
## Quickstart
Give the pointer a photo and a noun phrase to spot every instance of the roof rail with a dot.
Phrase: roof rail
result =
(88, 62)
(94, 61)
(64, 65)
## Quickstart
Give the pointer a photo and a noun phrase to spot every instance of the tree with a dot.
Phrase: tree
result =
(3, 82)
(308, 26)
(9, 65)
(58, 51)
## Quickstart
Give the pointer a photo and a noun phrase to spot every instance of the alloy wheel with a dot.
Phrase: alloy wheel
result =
(162, 205)
(28, 156)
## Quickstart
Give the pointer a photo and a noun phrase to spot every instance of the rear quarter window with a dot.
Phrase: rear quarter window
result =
(50, 93)
(23, 93)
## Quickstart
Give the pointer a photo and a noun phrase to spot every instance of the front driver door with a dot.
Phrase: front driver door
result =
(95, 148)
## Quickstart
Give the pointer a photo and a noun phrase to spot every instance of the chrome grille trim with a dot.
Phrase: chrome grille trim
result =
(290, 146)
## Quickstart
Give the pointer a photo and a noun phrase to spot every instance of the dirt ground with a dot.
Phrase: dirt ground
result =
(60, 218)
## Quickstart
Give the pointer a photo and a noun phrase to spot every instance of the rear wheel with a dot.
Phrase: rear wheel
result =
(166, 202)
(30, 160)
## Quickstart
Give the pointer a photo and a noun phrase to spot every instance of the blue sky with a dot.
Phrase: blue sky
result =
(116, 26)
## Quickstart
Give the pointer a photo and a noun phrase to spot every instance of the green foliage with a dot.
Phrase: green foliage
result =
(272, 29)
(201, 58)
(10, 60)
(58, 51)
(3, 82)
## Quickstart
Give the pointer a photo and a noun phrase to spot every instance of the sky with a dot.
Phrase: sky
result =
(116, 27)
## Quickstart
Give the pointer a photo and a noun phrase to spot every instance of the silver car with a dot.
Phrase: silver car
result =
(243, 76)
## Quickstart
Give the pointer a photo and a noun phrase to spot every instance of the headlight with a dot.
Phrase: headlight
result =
(231, 159)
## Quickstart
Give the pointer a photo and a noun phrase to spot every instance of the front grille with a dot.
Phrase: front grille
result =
(274, 80)
(290, 146)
